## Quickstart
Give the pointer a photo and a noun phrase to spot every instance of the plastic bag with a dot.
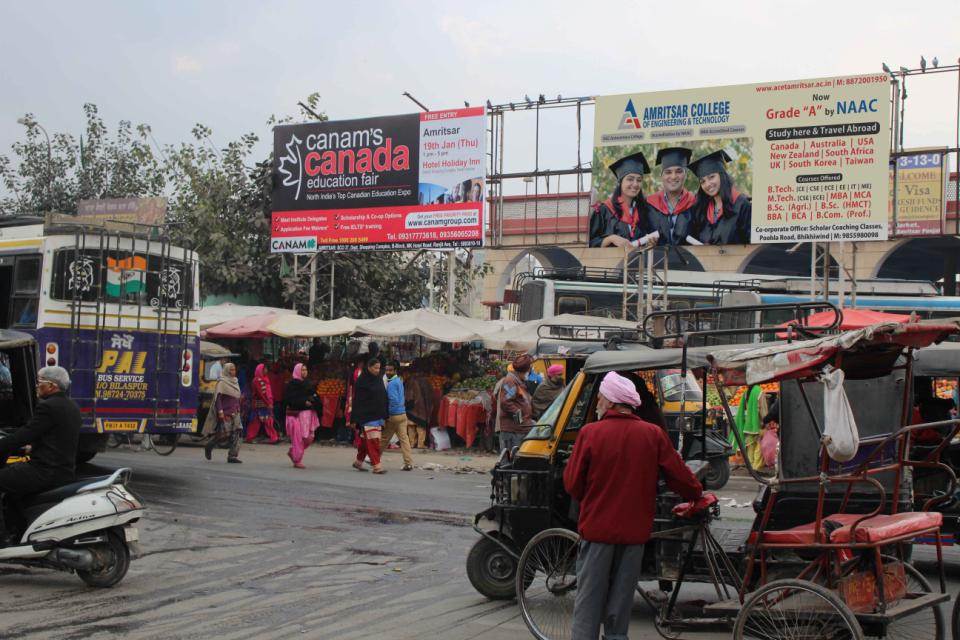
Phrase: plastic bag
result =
(440, 438)
(840, 434)
(769, 443)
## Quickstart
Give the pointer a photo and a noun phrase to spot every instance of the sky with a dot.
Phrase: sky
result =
(230, 65)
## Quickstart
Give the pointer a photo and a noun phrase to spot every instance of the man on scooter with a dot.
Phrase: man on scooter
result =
(52, 434)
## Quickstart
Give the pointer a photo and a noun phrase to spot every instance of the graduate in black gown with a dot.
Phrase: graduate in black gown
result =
(670, 209)
(722, 212)
(621, 219)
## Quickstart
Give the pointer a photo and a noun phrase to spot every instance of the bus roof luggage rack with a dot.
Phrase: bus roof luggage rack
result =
(723, 325)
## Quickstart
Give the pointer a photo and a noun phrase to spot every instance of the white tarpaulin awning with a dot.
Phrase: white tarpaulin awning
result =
(297, 326)
(219, 313)
(426, 323)
(524, 336)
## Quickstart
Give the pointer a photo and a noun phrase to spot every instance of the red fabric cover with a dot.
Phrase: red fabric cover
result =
(468, 415)
(613, 472)
(441, 420)
(330, 405)
(875, 529)
(690, 509)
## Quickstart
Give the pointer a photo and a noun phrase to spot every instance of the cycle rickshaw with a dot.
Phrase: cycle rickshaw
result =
(825, 555)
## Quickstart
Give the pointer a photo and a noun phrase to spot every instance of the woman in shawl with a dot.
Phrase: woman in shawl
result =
(261, 395)
(370, 412)
(721, 212)
(302, 419)
(621, 220)
(223, 421)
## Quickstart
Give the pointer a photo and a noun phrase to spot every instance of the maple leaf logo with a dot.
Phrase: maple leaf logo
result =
(292, 157)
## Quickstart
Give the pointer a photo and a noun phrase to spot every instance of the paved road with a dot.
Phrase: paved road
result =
(261, 550)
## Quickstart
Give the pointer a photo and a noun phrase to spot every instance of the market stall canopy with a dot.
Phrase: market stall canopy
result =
(644, 358)
(868, 352)
(249, 327)
(297, 326)
(213, 351)
(428, 324)
(219, 313)
(938, 360)
(524, 337)
(849, 319)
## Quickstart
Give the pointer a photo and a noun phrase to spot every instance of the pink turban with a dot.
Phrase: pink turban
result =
(619, 390)
(555, 370)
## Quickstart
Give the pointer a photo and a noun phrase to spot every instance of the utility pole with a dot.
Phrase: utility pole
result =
(451, 282)
(313, 284)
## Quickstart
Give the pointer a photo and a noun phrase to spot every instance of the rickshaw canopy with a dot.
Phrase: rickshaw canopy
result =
(866, 353)
(938, 360)
(645, 358)
(14, 339)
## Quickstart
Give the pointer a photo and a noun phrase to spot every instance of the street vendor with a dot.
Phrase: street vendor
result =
(514, 406)
(547, 392)
(611, 475)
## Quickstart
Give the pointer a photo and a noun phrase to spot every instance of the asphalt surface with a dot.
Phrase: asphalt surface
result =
(261, 550)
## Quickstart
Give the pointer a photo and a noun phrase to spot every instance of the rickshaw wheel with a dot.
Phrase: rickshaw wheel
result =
(955, 623)
(491, 570)
(717, 475)
(927, 624)
(795, 610)
(547, 583)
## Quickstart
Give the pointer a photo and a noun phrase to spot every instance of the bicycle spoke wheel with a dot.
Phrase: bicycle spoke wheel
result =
(546, 583)
(796, 610)
(163, 443)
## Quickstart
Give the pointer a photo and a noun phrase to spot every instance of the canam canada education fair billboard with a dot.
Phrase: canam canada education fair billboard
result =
(389, 183)
(804, 160)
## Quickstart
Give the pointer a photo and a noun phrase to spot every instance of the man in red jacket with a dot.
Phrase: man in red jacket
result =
(613, 473)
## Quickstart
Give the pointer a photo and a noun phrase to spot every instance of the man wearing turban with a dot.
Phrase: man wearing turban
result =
(547, 392)
(613, 473)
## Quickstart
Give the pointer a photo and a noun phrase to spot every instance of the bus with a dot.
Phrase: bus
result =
(117, 309)
(545, 294)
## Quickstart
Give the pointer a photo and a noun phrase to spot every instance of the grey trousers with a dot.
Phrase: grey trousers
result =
(607, 576)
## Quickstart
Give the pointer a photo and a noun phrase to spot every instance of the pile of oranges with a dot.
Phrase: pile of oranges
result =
(331, 387)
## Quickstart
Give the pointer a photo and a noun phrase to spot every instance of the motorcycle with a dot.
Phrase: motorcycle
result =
(87, 527)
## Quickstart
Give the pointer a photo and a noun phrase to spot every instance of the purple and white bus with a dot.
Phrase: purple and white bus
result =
(117, 310)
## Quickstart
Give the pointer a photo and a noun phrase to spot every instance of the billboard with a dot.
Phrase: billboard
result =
(411, 181)
(920, 179)
(796, 161)
(124, 214)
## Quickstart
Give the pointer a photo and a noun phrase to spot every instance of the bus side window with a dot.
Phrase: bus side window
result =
(25, 299)
(572, 304)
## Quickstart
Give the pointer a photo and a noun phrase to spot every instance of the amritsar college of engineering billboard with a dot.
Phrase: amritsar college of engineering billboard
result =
(804, 160)
(388, 183)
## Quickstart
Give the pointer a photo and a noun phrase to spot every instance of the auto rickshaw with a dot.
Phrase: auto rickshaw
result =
(696, 433)
(825, 555)
(18, 355)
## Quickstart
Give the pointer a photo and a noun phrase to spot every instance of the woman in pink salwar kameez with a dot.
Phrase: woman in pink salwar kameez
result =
(302, 418)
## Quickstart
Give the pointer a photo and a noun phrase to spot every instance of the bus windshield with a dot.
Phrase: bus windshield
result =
(157, 281)
(676, 388)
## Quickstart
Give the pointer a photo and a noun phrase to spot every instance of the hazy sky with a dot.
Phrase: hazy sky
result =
(231, 64)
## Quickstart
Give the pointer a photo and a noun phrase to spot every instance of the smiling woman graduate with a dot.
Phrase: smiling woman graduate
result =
(621, 219)
(671, 209)
(722, 213)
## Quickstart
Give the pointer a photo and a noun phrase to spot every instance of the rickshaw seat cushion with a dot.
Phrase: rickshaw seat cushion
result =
(875, 529)
(884, 527)
(690, 509)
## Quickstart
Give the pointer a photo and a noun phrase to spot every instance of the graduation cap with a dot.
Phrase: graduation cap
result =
(674, 157)
(635, 163)
(710, 163)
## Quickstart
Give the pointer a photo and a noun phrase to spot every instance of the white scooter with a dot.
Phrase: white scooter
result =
(87, 527)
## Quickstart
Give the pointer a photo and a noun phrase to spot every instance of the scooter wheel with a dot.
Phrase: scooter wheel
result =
(113, 560)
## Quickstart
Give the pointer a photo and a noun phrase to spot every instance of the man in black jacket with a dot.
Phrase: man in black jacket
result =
(52, 434)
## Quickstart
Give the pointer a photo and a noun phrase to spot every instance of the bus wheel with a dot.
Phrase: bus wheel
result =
(164, 443)
(718, 474)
